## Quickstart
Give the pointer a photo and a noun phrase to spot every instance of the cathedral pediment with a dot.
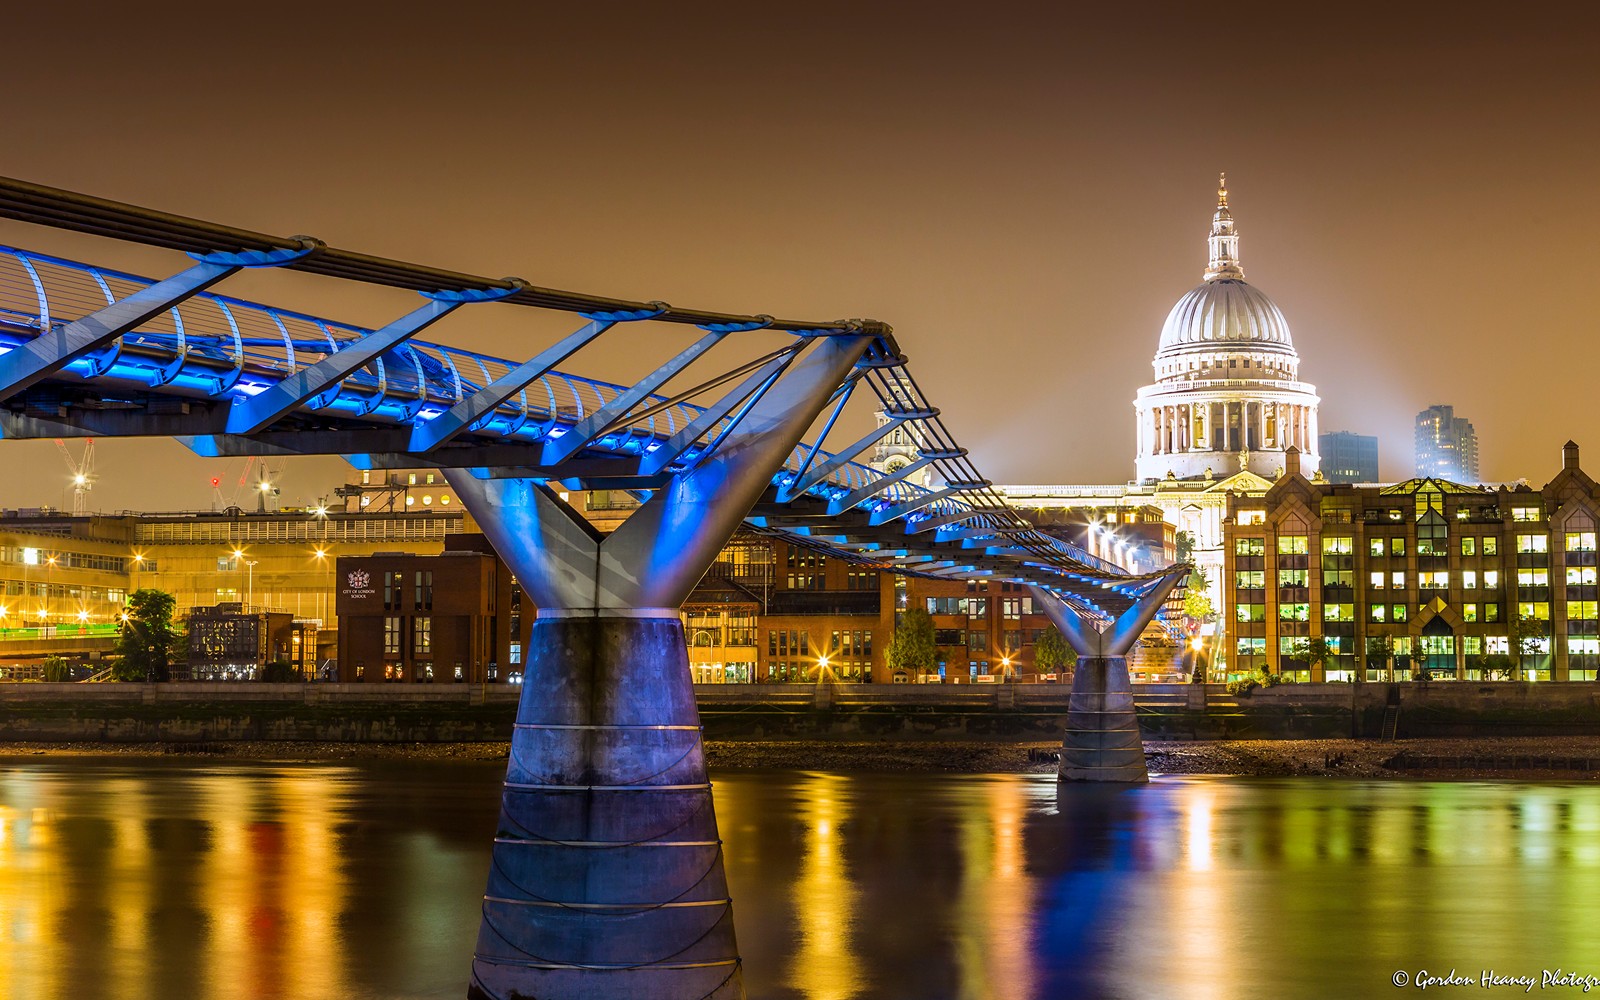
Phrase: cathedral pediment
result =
(1243, 482)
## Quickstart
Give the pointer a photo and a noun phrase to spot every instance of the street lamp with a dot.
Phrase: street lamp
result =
(49, 585)
(250, 576)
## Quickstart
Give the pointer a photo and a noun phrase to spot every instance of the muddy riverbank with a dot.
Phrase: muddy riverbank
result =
(1575, 757)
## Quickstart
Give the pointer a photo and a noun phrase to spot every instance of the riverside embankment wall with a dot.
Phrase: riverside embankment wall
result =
(409, 713)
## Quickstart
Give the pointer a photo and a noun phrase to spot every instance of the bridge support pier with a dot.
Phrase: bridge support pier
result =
(607, 880)
(1102, 742)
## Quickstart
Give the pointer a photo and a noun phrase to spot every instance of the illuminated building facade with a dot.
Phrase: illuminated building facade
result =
(1463, 582)
(1227, 395)
(451, 617)
(230, 642)
(66, 578)
(1447, 445)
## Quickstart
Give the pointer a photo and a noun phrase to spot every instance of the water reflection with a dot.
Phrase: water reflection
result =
(165, 878)
(175, 878)
(825, 896)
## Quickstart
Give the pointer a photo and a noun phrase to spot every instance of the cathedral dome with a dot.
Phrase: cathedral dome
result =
(1224, 311)
(1227, 393)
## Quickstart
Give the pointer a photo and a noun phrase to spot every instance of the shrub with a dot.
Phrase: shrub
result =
(279, 672)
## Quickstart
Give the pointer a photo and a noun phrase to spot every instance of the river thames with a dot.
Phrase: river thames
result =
(158, 877)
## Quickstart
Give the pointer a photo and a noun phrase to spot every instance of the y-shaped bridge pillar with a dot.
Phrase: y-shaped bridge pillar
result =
(1102, 741)
(607, 878)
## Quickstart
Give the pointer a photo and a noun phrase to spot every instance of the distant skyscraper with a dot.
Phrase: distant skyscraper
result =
(1348, 458)
(1447, 446)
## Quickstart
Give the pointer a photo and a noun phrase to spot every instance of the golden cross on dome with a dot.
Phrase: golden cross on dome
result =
(1222, 190)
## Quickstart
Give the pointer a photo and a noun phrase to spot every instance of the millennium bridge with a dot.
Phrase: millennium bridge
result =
(607, 875)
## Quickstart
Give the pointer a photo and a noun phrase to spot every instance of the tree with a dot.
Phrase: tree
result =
(57, 669)
(1196, 605)
(1185, 546)
(1052, 654)
(1313, 651)
(1496, 666)
(912, 648)
(148, 637)
(1380, 650)
(1527, 635)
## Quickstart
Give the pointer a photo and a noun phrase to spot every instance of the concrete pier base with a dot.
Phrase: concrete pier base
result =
(1102, 741)
(607, 881)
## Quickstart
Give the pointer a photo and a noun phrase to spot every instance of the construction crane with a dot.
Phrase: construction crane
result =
(82, 469)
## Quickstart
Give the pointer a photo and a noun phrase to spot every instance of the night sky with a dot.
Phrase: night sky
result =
(1023, 193)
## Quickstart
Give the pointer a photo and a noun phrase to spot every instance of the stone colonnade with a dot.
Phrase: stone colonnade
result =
(1245, 425)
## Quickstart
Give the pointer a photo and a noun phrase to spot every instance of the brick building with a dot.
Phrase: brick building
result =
(1463, 582)
(450, 617)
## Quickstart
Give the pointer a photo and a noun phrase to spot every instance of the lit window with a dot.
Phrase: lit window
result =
(1338, 545)
(1533, 578)
(427, 500)
(1397, 613)
(1249, 546)
(1397, 581)
(1375, 612)
(1583, 610)
(1469, 612)
(444, 501)
(1252, 517)
(1491, 545)
(1491, 579)
(1293, 545)
(365, 500)
(1525, 513)
(1580, 541)
(1434, 580)
(1376, 580)
(1533, 543)
(1397, 546)
(412, 479)
(1469, 578)
(1375, 547)
(1580, 576)
(410, 501)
